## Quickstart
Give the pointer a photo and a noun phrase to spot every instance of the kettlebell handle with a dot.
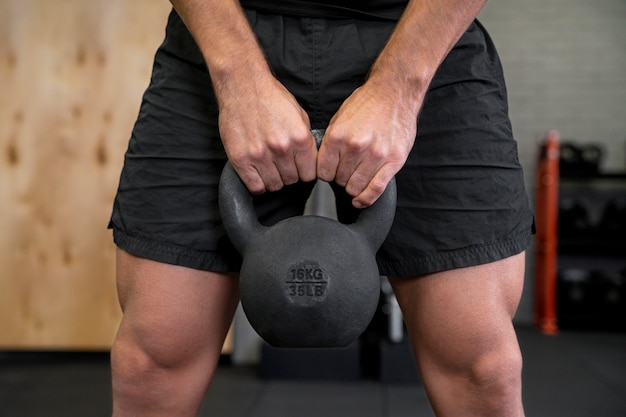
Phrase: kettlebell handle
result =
(237, 209)
(241, 222)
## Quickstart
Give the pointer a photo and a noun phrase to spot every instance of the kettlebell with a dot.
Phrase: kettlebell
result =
(306, 281)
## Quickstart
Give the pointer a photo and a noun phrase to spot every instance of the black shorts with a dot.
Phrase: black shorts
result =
(461, 194)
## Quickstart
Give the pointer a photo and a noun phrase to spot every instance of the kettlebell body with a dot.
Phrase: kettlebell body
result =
(309, 281)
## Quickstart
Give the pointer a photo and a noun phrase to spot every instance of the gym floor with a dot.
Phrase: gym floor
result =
(571, 374)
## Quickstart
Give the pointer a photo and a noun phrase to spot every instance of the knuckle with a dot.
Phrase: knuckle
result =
(397, 160)
(377, 187)
(356, 184)
(256, 154)
(379, 153)
(356, 146)
(238, 159)
(279, 147)
(290, 178)
(324, 176)
(303, 140)
(325, 172)
(308, 175)
(254, 184)
(272, 186)
(333, 139)
(257, 189)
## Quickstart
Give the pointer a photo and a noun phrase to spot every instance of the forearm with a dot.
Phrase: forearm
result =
(423, 37)
(265, 132)
(229, 46)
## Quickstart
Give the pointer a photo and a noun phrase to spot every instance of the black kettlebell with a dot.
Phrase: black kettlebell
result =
(307, 281)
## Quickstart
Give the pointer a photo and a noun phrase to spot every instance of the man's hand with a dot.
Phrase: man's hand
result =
(368, 141)
(266, 134)
(371, 135)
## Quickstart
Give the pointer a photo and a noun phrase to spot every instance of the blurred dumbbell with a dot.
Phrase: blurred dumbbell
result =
(590, 158)
(613, 220)
(612, 284)
(580, 159)
(574, 219)
(569, 161)
(573, 284)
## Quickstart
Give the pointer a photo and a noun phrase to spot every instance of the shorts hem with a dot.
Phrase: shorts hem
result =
(428, 263)
(170, 254)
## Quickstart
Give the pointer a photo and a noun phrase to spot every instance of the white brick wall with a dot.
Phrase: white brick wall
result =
(565, 64)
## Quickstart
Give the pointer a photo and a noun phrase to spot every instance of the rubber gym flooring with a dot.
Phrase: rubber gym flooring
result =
(573, 374)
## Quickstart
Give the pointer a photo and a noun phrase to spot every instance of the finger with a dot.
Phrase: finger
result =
(271, 177)
(306, 162)
(359, 176)
(287, 170)
(360, 179)
(350, 151)
(260, 178)
(352, 169)
(329, 155)
(251, 179)
(327, 161)
(295, 158)
(375, 188)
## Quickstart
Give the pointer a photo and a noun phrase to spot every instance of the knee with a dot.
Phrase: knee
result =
(482, 382)
(131, 364)
(497, 375)
(132, 358)
(163, 381)
(131, 368)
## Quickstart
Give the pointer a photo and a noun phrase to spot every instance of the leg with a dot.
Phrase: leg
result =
(169, 342)
(460, 326)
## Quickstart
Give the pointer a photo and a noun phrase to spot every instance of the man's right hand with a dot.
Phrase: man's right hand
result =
(266, 134)
(264, 130)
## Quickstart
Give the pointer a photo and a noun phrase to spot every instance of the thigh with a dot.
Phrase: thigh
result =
(171, 336)
(455, 317)
(175, 314)
(460, 326)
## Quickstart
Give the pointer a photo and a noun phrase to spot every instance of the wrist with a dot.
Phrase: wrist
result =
(408, 88)
(239, 75)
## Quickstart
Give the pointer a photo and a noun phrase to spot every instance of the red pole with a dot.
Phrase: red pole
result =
(546, 217)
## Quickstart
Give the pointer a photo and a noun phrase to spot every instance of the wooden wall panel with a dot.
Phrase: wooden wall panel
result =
(72, 73)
